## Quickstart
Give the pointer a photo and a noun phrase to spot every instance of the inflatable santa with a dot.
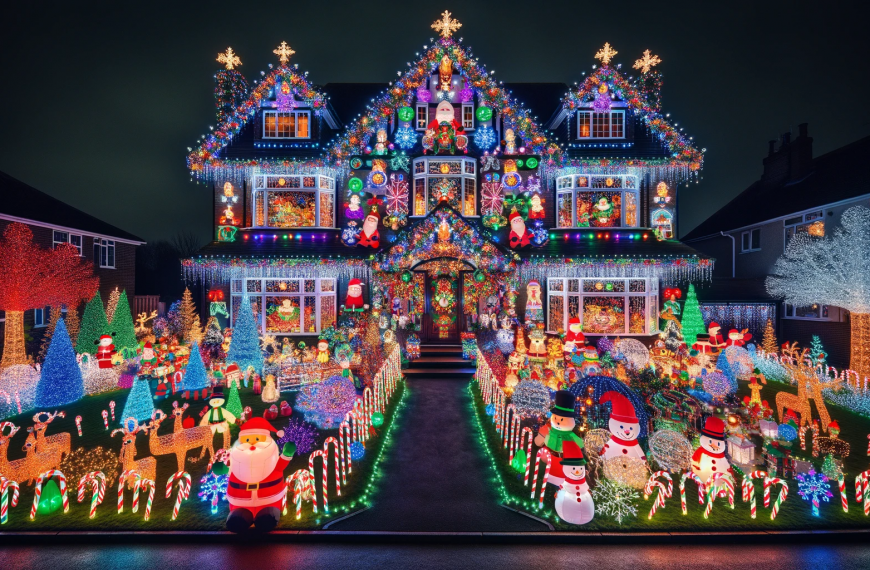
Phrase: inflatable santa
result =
(710, 458)
(520, 236)
(370, 236)
(574, 503)
(624, 428)
(559, 431)
(256, 484)
(738, 338)
(105, 351)
(354, 300)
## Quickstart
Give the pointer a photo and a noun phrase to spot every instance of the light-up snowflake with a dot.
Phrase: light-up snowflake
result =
(350, 236)
(400, 162)
(813, 486)
(492, 197)
(615, 500)
(397, 196)
(213, 489)
(484, 138)
(406, 137)
(533, 185)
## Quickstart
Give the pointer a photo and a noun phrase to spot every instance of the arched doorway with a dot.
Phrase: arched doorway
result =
(444, 317)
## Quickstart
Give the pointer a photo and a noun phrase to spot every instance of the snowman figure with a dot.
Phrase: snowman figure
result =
(710, 457)
(559, 432)
(574, 503)
(624, 428)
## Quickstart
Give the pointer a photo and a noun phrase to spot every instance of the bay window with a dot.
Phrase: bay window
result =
(288, 306)
(597, 201)
(604, 306)
(450, 180)
(290, 201)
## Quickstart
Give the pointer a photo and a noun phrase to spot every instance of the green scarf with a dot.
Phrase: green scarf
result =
(556, 437)
(216, 416)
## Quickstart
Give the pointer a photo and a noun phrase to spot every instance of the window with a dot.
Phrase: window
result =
(289, 201)
(286, 124)
(813, 312)
(289, 306)
(604, 306)
(467, 116)
(41, 317)
(66, 237)
(607, 125)
(811, 224)
(450, 180)
(597, 201)
(104, 253)
(422, 116)
(751, 241)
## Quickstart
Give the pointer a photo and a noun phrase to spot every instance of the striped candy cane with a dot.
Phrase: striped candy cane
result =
(523, 433)
(664, 492)
(862, 490)
(105, 419)
(844, 499)
(62, 484)
(783, 494)
(5, 484)
(183, 478)
(141, 483)
(542, 452)
(79, 425)
(344, 444)
(302, 484)
(719, 485)
(748, 488)
(314, 455)
(122, 480)
(510, 413)
(335, 461)
(701, 489)
(97, 480)
(112, 408)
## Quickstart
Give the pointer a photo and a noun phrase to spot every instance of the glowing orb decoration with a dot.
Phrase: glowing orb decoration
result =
(717, 385)
(636, 355)
(355, 184)
(377, 419)
(786, 432)
(531, 399)
(357, 451)
(483, 113)
(671, 450)
(406, 114)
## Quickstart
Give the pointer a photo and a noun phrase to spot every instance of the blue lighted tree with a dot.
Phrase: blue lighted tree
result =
(61, 380)
(195, 377)
(140, 403)
(245, 345)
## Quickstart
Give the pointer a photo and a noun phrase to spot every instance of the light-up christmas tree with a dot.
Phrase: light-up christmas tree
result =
(189, 320)
(195, 377)
(140, 403)
(234, 403)
(692, 321)
(112, 304)
(55, 316)
(122, 324)
(817, 351)
(61, 380)
(245, 346)
(768, 341)
(94, 324)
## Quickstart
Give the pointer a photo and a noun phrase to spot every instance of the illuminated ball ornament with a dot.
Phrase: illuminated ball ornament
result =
(423, 94)
(786, 432)
(671, 450)
(406, 114)
(483, 113)
(407, 276)
(357, 451)
(490, 409)
(355, 184)
(377, 419)
(532, 162)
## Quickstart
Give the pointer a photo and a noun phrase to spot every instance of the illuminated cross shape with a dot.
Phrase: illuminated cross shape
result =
(606, 53)
(647, 62)
(445, 26)
(283, 52)
(229, 58)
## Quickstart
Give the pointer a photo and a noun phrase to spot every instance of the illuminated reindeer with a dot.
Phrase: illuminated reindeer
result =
(145, 467)
(181, 440)
(800, 367)
(27, 469)
(61, 442)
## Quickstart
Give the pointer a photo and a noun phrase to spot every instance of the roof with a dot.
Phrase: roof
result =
(350, 99)
(832, 177)
(21, 200)
(542, 99)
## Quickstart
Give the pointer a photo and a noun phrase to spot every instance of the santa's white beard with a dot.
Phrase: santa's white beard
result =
(518, 228)
(369, 228)
(253, 466)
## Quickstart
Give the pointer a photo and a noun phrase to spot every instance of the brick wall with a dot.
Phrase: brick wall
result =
(835, 337)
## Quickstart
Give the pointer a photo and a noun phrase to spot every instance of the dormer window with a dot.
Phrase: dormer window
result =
(286, 124)
(291, 201)
(605, 125)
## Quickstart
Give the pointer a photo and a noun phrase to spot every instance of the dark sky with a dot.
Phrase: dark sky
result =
(99, 104)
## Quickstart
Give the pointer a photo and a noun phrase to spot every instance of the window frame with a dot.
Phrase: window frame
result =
(41, 317)
(102, 249)
(421, 117)
(69, 239)
(834, 314)
(463, 176)
(746, 240)
(238, 286)
(799, 222)
(567, 186)
(591, 115)
(650, 294)
(260, 199)
(468, 123)
(295, 113)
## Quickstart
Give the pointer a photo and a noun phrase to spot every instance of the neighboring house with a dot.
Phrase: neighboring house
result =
(397, 185)
(796, 193)
(111, 250)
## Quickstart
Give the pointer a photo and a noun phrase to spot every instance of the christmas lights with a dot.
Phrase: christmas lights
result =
(814, 487)
(5, 485)
(615, 500)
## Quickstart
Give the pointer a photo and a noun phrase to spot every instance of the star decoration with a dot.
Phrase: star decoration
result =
(647, 62)
(606, 53)
(229, 58)
(445, 26)
(283, 52)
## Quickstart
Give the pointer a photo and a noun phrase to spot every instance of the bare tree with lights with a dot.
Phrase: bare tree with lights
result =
(832, 270)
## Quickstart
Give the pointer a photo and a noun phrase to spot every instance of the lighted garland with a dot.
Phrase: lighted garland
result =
(670, 270)
(223, 269)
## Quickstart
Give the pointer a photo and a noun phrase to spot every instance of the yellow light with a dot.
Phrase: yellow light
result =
(446, 26)
(283, 52)
(606, 53)
(647, 62)
(229, 58)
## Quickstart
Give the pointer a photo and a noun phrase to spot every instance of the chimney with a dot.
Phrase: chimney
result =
(801, 154)
(785, 139)
(771, 147)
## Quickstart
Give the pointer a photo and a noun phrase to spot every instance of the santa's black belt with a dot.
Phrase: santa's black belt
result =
(254, 486)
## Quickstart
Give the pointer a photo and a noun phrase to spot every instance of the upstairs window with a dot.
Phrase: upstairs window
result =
(607, 125)
(104, 253)
(751, 241)
(812, 223)
(292, 201)
(597, 201)
(286, 125)
(467, 116)
(422, 116)
(66, 237)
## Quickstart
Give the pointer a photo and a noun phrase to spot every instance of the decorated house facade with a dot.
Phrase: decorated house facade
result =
(446, 198)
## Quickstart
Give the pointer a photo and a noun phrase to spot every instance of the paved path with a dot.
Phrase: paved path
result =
(435, 476)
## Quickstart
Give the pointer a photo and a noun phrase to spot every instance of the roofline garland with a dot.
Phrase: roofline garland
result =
(217, 270)
(670, 270)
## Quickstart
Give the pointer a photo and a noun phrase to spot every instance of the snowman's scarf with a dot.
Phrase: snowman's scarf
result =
(624, 442)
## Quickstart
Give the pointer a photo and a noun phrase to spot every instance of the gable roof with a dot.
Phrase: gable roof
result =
(833, 177)
(25, 203)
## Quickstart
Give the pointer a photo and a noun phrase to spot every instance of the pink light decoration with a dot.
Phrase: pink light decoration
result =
(423, 94)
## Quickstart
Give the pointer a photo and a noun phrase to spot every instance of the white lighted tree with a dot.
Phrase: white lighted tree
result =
(832, 270)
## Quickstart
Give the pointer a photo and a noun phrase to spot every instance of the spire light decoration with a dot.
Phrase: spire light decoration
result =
(647, 62)
(229, 58)
(446, 26)
(606, 53)
(284, 52)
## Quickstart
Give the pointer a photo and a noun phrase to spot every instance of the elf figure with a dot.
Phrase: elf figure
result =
(218, 418)
(354, 300)
(105, 351)
(323, 351)
(574, 503)
(520, 236)
(370, 236)
(149, 359)
(710, 458)
(624, 428)
(560, 430)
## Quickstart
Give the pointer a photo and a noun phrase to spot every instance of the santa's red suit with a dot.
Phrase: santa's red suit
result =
(354, 301)
(373, 240)
(105, 352)
(715, 335)
(370, 236)
(258, 496)
(515, 239)
(576, 337)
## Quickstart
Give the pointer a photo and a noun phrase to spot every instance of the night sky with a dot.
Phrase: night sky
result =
(100, 104)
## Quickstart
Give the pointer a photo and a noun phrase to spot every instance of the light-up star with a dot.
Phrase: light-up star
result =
(606, 53)
(229, 58)
(445, 26)
(283, 52)
(647, 62)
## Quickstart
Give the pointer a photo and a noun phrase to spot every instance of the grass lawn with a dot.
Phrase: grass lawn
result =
(194, 514)
(794, 514)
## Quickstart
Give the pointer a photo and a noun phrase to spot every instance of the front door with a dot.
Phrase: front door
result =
(441, 323)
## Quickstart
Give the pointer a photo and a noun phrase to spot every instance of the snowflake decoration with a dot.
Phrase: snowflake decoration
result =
(213, 489)
(446, 25)
(615, 500)
(813, 486)
(406, 137)
(492, 196)
(606, 53)
(350, 235)
(647, 62)
(400, 162)
(229, 58)
(490, 162)
(533, 185)
(397, 196)
(484, 138)
(284, 52)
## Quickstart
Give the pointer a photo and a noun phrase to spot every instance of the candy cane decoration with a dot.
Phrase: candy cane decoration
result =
(106, 419)
(664, 492)
(510, 413)
(122, 480)
(802, 432)
(140, 483)
(40, 480)
(862, 490)
(183, 478)
(701, 489)
(5, 484)
(783, 494)
(542, 452)
(844, 500)
(112, 408)
(335, 461)
(177, 377)
(79, 425)
(314, 455)
(715, 489)
(344, 436)
(515, 435)
(302, 484)
(748, 489)
(97, 480)
(527, 430)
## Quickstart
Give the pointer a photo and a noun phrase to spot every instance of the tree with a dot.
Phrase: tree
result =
(212, 342)
(61, 380)
(817, 351)
(112, 304)
(673, 336)
(768, 341)
(140, 402)
(831, 270)
(245, 345)
(122, 324)
(94, 324)
(188, 316)
(56, 314)
(32, 277)
(692, 321)
(195, 377)
(234, 403)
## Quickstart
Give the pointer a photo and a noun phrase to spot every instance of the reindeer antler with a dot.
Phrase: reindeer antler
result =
(14, 429)
(158, 416)
(49, 416)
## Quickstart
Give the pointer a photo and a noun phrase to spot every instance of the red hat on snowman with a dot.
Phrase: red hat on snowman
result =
(622, 409)
(714, 428)
(259, 426)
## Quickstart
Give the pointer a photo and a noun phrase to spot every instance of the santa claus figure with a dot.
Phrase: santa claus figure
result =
(574, 503)
(575, 332)
(105, 351)
(370, 236)
(256, 484)
(715, 332)
(559, 432)
(444, 114)
(710, 458)
(354, 300)
(536, 207)
(520, 236)
(624, 428)
(738, 338)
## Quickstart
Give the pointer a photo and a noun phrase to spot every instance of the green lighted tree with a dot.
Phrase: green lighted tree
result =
(122, 324)
(94, 324)
(692, 321)
(234, 403)
(817, 351)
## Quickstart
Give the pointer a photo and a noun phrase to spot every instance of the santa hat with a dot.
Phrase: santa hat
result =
(713, 326)
(573, 321)
(572, 454)
(735, 332)
(834, 425)
(148, 345)
(105, 337)
(259, 426)
(374, 213)
(514, 215)
(714, 427)
(353, 282)
(622, 409)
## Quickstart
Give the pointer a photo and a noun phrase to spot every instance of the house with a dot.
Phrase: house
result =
(797, 193)
(446, 196)
(111, 250)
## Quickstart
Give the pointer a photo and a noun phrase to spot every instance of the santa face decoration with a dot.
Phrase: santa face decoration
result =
(253, 457)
